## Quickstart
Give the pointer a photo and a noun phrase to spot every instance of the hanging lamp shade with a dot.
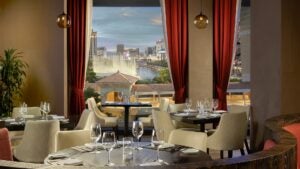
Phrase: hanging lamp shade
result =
(63, 20)
(201, 21)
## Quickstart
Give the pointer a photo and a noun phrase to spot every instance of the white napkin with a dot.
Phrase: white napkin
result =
(154, 163)
(58, 156)
(83, 149)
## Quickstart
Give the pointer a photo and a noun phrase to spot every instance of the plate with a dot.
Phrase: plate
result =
(190, 151)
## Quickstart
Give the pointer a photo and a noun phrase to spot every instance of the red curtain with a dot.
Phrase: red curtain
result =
(223, 37)
(76, 57)
(177, 32)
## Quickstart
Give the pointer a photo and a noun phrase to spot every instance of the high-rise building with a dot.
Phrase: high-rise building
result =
(150, 51)
(120, 49)
(161, 49)
(101, 52)
(93, 45)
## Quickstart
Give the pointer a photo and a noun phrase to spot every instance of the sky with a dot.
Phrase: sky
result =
(135, 27)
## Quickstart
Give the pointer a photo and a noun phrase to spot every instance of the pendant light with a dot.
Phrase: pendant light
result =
(201, 20)
(63, 20)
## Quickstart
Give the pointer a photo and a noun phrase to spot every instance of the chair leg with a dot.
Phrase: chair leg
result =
(221, 154)
(207, 150)
(115, 129)
(247, 146)
(229, 153)
(242, 151)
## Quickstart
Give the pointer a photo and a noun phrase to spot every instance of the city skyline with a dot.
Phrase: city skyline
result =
(135, 27)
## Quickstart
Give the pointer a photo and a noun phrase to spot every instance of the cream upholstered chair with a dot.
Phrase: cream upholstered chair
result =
(230, 133)
(86, 120)
(163, 106)
(79, 136)
(148, 120)
(38, 141)
(241, 108)
(197, 140)
(67, 139)
(36, 111)
(179, 124)
(101, 117)
(162, 120)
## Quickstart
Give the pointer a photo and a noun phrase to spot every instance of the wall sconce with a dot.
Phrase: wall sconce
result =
(201, 20)
(63, 20)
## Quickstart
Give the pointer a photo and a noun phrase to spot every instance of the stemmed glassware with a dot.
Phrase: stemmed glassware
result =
(108, 143)
(215, 103)
(188, 104)
(137, 131)
(45, 109)
(200, 107)
(96, 135)
(157, 140)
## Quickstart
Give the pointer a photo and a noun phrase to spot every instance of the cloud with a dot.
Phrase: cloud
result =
(157, 20)
(126, 12)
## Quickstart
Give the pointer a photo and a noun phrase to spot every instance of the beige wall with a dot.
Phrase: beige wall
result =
(265, 61)
(29, 26)
(200, 53)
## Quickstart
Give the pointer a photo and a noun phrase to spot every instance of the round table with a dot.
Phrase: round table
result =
(140, 157)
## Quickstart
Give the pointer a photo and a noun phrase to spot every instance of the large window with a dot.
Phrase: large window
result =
(239, 85)
(128, 42)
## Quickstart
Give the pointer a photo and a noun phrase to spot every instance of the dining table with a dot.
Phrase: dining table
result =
(126, 106)
(196, 118)
(170, 155)
(18, 124)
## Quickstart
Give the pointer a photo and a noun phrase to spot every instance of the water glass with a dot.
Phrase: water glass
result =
(108, 143)
(137, 131)
(127, 148)
(215, 103)
(96, 135)
(157, 140)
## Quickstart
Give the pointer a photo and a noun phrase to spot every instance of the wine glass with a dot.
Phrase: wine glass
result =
(96, 135)
(200, 107)
(157, 140)
(215, 103)
(47, 109)
(137, 131)
(188, 104)
(108, 143)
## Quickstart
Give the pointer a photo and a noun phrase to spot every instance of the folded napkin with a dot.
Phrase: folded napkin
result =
(58, 156)
(84, 148)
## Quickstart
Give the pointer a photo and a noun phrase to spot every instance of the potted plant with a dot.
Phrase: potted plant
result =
(12, 74)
